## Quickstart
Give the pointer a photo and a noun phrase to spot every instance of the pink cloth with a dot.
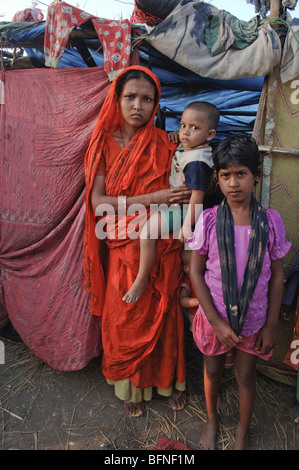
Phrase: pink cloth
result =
(204, 242)
(115, 36)
(28, 15)
(208, 343)
(46, 126)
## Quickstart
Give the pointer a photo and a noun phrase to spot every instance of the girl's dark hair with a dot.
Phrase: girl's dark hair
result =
(131, 74)
(238, 150)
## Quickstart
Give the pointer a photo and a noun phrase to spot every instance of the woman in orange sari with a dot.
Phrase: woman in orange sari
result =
(128, 162)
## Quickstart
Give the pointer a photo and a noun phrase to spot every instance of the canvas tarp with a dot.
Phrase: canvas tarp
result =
(182, 37)
(47, 121)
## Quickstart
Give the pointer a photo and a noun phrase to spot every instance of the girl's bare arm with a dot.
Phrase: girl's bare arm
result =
(267, 336)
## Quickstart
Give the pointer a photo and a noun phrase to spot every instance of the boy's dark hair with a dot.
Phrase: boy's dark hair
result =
(131, 74)
(238, 150)
(210, 109)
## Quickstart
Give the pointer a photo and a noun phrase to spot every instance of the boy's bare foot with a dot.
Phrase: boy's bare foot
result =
(136, 290)
(207, 439)
(221, 405)
(133, 409)
(178, 402)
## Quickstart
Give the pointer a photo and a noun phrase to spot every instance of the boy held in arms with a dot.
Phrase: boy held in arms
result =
(192, 164)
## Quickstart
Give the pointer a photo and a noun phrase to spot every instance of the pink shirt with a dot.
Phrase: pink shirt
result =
(204, 241)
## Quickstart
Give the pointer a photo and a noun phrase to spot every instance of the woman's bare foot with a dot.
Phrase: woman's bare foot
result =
(133, 409)
(136, 290)
(177, 402)
(241, 440)
(208, 437)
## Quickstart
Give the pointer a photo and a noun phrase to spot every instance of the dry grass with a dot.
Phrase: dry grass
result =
(41, 409)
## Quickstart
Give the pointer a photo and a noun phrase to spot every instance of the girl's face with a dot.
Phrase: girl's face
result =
(194, 128)
(237, 183)
(137, 102)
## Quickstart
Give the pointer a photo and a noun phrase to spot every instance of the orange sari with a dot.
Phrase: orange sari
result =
(143, 341)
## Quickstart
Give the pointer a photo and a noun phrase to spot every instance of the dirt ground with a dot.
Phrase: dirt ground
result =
(46, 409)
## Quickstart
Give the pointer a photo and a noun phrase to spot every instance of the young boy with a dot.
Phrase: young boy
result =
(192, 163)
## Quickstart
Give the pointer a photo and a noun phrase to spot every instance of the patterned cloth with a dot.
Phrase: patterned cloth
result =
(141, 16)
(115, 36)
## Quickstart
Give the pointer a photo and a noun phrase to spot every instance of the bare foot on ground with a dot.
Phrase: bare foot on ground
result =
(208, 437)
(134, 409)
(178, 402)
(136, 290)
(241, 440)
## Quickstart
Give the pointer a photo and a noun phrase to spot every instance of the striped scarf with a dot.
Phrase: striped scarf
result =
(237, 304)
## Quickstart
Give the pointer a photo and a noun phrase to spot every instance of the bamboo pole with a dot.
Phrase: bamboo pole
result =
(272, 89)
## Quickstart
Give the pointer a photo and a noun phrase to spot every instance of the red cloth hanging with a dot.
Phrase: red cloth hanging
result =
(46, 125)
(115, 36)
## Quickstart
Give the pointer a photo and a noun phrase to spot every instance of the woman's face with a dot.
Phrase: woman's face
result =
(137, 102)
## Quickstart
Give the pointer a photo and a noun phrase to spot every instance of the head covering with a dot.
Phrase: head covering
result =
(110, 119)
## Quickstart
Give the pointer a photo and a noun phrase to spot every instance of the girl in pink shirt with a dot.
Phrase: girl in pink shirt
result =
(236, 273)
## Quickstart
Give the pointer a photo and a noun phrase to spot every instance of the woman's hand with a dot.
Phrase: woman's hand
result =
(179, 195)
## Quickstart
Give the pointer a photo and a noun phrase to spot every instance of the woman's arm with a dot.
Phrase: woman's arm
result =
(221, 327)
(167, 196)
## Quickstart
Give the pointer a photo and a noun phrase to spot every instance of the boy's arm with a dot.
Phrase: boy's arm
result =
(267, 337)
(194, 210)
(187, 301)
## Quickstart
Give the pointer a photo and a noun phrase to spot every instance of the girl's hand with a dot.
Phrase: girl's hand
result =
(225, 334)
(173, 136)
(266, 340)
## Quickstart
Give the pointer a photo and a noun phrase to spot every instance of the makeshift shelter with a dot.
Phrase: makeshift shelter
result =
(48, 112)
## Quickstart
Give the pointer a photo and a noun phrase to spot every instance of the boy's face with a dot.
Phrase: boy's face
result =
(194, 128)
